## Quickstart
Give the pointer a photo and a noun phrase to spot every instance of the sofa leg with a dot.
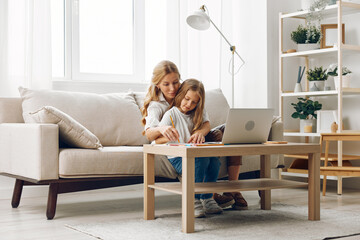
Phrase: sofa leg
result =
(17, 193)
(52, 199)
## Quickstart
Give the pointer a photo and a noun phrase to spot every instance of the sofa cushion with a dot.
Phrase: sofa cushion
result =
(70, 131)
(109, 161)
(10, 110)
(139, 98)
(215, 101)
(113, 118)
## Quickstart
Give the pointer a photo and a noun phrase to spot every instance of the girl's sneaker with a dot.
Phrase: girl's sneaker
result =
(211, 207)
(199, 211)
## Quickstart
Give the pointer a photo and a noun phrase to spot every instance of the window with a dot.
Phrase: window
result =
(108, 40)
(105, 36)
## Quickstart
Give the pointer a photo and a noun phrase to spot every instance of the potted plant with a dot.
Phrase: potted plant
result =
(333, 71)
(307, 38)
(305, 109)
(317, 77)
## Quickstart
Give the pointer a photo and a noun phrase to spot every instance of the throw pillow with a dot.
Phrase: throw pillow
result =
(71, 132)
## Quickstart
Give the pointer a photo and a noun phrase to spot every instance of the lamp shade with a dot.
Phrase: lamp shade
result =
(198, 20)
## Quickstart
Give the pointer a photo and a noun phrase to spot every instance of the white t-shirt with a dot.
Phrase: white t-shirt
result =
(156, 111)
(183, 123)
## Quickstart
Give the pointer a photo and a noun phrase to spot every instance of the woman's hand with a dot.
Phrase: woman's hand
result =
(197, 137)
(170, 133)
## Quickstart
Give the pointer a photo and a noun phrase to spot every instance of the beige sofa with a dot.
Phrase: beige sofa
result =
(30, 152)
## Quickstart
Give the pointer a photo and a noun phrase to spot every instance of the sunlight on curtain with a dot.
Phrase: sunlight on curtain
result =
(155, 35)
(200, 50)
(25, 46)
(205, 55)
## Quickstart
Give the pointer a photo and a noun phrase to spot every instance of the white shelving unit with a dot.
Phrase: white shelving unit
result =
(337, 10)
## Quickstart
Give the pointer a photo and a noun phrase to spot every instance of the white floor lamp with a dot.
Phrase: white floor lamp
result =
(200, 20)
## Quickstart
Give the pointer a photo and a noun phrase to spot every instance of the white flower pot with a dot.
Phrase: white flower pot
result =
(319, 85)
(307, 46)
(307, 125)
(345, 81)
(297, 87)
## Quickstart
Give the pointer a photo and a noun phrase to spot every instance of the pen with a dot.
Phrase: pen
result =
(173, 126)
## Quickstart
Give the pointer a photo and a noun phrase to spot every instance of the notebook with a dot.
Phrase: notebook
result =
(247, 125)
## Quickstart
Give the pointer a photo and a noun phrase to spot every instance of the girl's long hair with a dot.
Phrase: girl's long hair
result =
(197, 112)
(160, 71)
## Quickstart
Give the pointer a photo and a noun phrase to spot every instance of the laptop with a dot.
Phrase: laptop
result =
(247, 125)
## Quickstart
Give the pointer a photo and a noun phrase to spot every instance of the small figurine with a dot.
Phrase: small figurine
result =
(334, 127)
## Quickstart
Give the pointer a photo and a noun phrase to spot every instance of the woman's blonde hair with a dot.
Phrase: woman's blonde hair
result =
(162, 69)
(196, 86)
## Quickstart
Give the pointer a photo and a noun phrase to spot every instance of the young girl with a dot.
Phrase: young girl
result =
(187, 116)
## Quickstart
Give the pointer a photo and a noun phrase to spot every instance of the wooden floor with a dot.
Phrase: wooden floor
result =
(28, 221)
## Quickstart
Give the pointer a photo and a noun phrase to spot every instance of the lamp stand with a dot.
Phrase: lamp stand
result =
(232, 48)
(233, 52)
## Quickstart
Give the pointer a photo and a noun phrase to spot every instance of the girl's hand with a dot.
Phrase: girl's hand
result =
(170, 133)
(197, 137)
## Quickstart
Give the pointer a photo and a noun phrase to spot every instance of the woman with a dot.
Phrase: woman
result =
(165, 84)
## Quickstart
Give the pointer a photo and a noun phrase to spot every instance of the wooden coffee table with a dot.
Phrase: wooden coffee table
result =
(188, 188)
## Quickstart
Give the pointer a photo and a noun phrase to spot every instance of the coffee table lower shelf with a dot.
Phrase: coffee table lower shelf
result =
(226, 186)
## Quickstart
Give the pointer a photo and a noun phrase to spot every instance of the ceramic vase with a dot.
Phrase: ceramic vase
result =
(297, 87)
(345, 81)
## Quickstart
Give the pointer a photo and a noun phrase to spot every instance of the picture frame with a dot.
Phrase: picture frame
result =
(324, 120)
(329, 35)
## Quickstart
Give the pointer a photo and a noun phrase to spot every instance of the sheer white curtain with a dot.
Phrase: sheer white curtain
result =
(200, 50)
(25, 45)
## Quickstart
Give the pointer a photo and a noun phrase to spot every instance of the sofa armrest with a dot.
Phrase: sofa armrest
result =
(30, 150)
(277, 131)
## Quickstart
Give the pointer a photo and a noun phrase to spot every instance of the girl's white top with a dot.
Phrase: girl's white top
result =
(156, 111)
(183, 123)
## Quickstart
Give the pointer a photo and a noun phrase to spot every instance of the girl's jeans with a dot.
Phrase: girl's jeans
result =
(206, 170)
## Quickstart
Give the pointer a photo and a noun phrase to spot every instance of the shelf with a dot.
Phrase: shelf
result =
(337, 11)
(331, 158)
(315, 93)
(299, 134)
(328, 12)
(346, 91)
(226, 186)
(310, 52)
(301, 173)
(323, 51)
(294, 133)
(341, 171)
